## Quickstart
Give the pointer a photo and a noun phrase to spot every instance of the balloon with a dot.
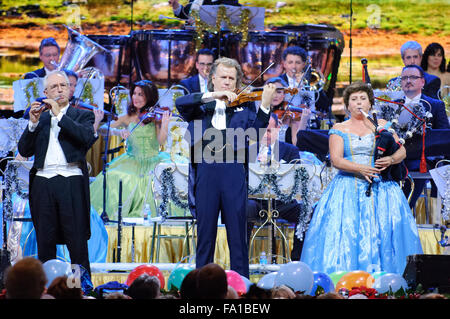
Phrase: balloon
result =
(296, 275)
(378, 274)
(176, 277)
(267, 281)
(146, 269)
(355, 278)
(235, 280)
(323, 280)
(247, 282)
(390, 280)
(56, 268)
(335, 276)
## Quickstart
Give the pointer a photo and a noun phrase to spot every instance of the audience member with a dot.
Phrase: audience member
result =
(231, 293)
(25, 280)
(283, 292)
(59, 289)
(212, 282)
(256, 293)
(144, 287)
(330, 295)
(188, 289)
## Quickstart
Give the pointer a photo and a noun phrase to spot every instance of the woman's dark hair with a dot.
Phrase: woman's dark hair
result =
(151, 94)
(358, 87)
(432, 49)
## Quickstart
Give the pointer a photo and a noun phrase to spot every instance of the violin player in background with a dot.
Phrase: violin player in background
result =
(218, 173)
(141, 156)
(294, 121)
(295, 60)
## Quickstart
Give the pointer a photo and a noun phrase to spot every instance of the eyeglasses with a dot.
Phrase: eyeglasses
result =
(205, 64)
(63, 86)
(410, 77)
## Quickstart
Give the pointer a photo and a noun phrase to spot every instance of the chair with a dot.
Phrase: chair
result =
(188, 221)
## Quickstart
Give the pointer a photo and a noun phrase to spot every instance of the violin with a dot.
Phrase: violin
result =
(290, 111)
(257, 96)
(155, 115)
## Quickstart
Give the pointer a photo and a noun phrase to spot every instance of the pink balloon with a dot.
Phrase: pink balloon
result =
(235, 280)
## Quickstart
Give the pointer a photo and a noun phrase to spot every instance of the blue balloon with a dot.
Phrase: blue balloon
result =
(296, 275)
(390, 281)
(56, 268)
(323, 280)
(247, 282)
(267, 281)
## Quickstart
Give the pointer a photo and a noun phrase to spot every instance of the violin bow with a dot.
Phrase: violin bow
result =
(253, 81)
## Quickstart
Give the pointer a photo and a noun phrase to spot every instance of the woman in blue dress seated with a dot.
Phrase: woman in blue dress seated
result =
(350, 230)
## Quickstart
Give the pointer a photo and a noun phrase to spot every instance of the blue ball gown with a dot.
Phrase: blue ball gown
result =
(350, 231)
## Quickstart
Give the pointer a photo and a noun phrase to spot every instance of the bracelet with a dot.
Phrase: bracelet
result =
(392, 160)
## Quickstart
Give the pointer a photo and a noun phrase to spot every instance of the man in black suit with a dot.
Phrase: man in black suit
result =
(412, 82)
(283, 153)
(218, 171)
(183, 12)
(59, 181)
(294, 64)
(411, 53)
(203, 64)
(49, 54)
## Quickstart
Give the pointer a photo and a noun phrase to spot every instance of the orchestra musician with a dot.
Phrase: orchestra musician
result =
(59, 181)
(294, 64)
(203, 64)
(218, 177)
(412, 83)
(411, 52)
(294, 121)
(49, 52)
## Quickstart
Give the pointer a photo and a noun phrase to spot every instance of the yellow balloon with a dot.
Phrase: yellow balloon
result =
(355, 278)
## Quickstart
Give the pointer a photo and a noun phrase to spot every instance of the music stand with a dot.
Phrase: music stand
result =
(285, 181)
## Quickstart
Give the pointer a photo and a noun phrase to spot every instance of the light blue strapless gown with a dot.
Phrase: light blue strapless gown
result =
(350, 231)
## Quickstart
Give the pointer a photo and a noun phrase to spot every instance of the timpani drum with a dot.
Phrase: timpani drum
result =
(164, 56)
(258, 53)
(115, 64)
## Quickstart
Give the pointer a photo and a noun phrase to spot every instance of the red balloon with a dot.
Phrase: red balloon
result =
(146, 269)
(235, 280)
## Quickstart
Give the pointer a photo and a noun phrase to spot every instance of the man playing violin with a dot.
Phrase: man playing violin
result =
(218, 174)
(59, 181)
(291, 121)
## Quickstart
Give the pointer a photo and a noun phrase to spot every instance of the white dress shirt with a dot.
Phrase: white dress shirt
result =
(55, 160)
(219, 119)
(415, 100)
